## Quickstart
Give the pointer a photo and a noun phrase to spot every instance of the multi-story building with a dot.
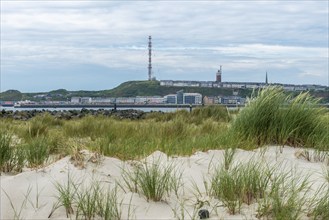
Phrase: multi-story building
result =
(171, 99)
(192, 98)
(180, 97)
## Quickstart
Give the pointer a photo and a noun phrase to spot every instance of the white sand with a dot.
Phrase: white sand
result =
(195, 169)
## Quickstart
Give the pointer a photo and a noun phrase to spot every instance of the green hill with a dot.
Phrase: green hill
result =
(153, 88)
(11, 95)
(132, 89)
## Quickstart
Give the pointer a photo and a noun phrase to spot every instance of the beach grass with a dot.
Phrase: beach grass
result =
(36, 152)
(11, 157)
(66, 195)
(272, 117)
(243, 183)
(6, 152)
(286, 197)
(320, 204)
(152, 180)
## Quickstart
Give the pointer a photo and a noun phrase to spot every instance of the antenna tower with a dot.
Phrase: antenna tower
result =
(150, 58)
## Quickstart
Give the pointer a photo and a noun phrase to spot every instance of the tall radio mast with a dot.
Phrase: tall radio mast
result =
(150, 58)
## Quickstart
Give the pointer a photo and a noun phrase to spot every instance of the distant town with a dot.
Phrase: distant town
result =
(178, 98)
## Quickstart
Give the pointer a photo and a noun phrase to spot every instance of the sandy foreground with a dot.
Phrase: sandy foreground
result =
(39, 184)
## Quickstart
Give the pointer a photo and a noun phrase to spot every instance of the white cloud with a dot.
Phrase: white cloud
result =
(187, 36)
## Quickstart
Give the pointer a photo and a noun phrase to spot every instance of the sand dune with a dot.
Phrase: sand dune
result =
(37, 187)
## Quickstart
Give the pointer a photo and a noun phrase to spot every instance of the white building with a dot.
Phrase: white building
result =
(86, 100)
(125, 100)
(75, 99)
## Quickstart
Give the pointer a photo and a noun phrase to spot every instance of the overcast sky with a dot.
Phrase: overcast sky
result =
(95, 45)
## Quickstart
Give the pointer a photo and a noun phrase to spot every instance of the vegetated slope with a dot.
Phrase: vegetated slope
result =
(126, 89)
(11, 95)
(136, 88)
(153, 88)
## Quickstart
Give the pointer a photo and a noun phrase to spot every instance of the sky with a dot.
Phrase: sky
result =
(97, 45)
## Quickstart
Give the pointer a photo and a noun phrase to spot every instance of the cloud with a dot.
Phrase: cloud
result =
(190, 39)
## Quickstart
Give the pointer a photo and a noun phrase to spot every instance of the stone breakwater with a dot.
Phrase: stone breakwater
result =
(72, 114)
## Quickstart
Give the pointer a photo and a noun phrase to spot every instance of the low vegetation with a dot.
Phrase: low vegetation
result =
(243, 183)
(87, 201)
(152, 179)
(272, 117)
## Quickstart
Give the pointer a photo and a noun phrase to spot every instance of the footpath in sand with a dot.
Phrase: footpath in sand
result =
(32, 194)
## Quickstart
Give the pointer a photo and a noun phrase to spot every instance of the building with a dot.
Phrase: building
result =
(192, 98)
(170, 99)
(86, 100)
(149, 100)
(239, 85)
(103, 100)
(125, 100)
(210, 100)
(180, 97)
(75, 99)
(219, 75)
(233, 100)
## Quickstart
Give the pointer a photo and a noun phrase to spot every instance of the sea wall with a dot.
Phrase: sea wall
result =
(72, 114)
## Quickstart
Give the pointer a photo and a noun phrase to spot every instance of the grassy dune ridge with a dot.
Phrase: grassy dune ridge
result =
(271, 117)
